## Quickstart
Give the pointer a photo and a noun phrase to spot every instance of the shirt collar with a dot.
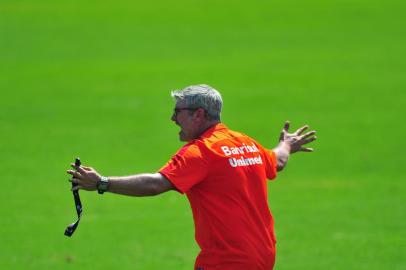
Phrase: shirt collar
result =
(212, 129)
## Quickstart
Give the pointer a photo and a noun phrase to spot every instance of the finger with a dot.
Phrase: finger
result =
(304, 149)
(308, 134)
(309, 140)
(78, 168)
(76, 188)
(74, 173)
(75, 180)
(286, 126)
(300, 130)
(87, 168)
(284, 131)
(282, 135)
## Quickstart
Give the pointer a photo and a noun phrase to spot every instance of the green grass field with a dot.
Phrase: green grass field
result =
(93, 79)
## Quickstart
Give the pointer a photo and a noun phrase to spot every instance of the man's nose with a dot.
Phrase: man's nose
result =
(173, 117)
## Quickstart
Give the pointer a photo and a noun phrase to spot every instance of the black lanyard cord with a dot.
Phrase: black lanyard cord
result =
(78, 205)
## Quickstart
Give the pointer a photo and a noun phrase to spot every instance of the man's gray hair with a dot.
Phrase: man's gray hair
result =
(201, 96)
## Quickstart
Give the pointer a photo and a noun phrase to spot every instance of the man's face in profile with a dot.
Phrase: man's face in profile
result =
(183, 117)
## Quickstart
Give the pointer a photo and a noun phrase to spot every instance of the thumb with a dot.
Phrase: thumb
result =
(282, 135)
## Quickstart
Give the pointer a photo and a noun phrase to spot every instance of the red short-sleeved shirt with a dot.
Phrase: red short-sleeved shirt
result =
(223, 174)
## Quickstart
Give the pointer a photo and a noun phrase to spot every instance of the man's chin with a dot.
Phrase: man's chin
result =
(181, 137)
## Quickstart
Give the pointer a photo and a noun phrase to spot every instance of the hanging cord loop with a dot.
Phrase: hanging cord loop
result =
(78, 205)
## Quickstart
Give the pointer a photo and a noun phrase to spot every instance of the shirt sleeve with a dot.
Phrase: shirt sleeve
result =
(186, 168)
(270, 164)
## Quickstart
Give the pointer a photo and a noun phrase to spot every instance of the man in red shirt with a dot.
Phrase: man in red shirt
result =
(224, 175)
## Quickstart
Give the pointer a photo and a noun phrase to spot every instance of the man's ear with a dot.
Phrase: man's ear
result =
(201, 114)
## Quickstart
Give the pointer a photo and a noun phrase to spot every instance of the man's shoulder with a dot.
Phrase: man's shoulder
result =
(229, 134)
(223, 135)
(190, 147)
(231, 137)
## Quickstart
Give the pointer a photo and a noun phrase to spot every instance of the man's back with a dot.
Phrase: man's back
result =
(224, 174)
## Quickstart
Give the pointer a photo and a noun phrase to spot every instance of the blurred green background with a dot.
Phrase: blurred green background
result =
(93, 79)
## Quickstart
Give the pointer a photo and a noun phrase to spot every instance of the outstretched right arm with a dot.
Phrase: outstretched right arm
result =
(148, 184)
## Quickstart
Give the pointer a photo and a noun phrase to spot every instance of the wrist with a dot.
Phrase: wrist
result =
(282, 152)
(103, 184)
(285, 147)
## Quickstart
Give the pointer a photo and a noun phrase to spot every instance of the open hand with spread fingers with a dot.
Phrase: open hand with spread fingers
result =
(297, 140)
(85, 177)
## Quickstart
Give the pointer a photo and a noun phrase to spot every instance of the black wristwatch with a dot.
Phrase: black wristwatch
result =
(103, 185)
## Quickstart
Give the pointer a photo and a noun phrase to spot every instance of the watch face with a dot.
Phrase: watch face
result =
(102, 186)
